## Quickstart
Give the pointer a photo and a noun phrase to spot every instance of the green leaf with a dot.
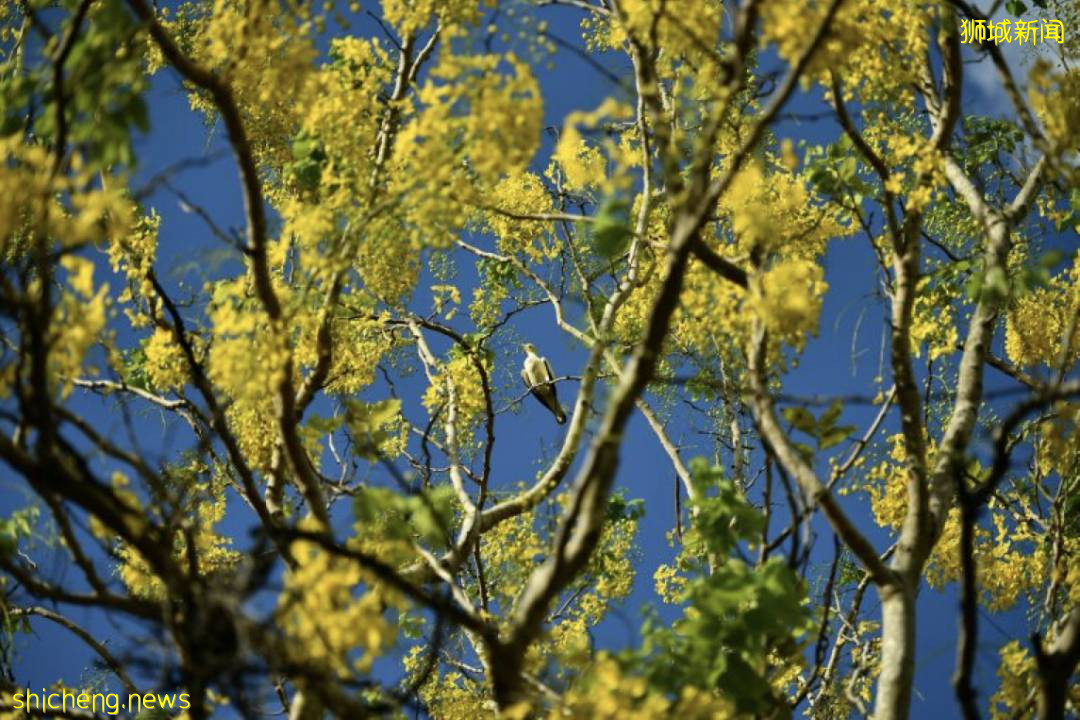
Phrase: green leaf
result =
(1015, 7)
(323, 426)
(848, 168)
(619, 508)
(611, 239)
(831, 415)
(133, 371)
(309, 159)
(369, 424)
(995, 285)
(1037, 274)
(974, 286)
(18, 526)
(307, 174)
(991, 286)
(306, 147)
(412, 626)
(138, 113)
(8, 543)
(835, 436)
(611, 228)
(821, 178)
(430, 514)
(384, 411)
(1049, 259)
(801, 419)
(1067, 222)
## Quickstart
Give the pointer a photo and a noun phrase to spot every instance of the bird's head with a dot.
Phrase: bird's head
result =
(529, 348)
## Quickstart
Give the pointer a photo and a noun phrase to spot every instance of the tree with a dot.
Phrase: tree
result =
(318, 522)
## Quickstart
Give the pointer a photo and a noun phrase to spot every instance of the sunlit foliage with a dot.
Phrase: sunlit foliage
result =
(267, 455)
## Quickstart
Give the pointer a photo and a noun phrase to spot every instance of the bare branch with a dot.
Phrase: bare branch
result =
(109, 659)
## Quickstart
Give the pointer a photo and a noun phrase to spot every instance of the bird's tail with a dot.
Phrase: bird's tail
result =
(560, 416)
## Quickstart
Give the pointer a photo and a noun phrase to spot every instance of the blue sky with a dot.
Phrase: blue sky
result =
(189, 255)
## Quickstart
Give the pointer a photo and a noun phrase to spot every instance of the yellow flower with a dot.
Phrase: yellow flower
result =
(788, 298)
(166, 365)
(1038, 321)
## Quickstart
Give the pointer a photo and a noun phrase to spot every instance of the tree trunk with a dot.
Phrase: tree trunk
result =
(1055, 665)
(897, 651)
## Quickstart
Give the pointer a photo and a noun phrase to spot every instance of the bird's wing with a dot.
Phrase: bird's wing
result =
(550, 377)
(547, 370)
(537, 375)
(546, 397)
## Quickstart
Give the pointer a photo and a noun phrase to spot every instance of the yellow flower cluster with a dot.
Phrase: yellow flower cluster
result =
(345, 115)
(486, 306)
(680, 25)
(521, 193)
(1068, 570)
(669, 583)
(607, 692)
(710, 307)
(358, 347)
(584, 167)
(477, 123)
(932, 322)
(875, 45)
(307, 226)
(775, 212)
(613, 571)
(918, 166)
(133, 254)
(510, 551)
(166, 365)
(1009, 561)
(1017, 673)
(1003, 569)
(450, 696)
(357, 341)
(469, 398)
(325, 621)
(266, 52)
(121, 487)
(1056, 100)
(92, 212)
(411, 16)
(78, 322)
(1058, 449)
(887, 485)
(1038, 322)
(686, 30)
(246, 360)
(388, 261)
(767, 213)
(247, 357)
(788, 297)
(213, 552)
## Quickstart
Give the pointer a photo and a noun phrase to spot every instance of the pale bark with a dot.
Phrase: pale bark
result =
(932, 484)
(1056, 663)
(897, 651)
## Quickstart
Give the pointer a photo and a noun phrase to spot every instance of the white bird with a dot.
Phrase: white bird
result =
(540, 380)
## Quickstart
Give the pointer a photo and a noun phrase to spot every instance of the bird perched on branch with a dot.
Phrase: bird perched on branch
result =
(541, 381)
